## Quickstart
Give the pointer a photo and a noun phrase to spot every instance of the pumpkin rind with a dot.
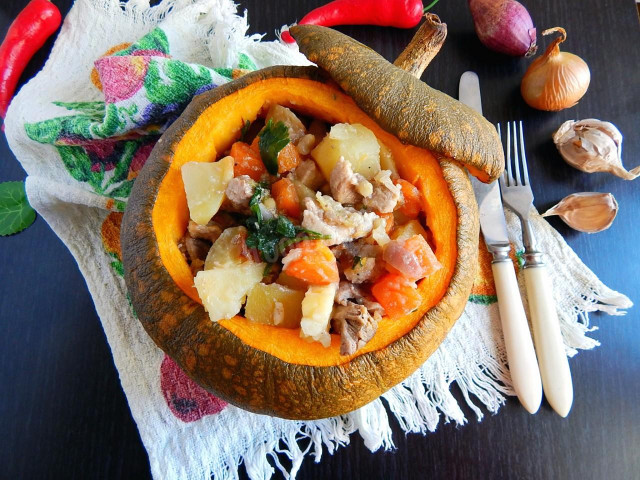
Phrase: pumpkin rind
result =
(245, 376)
(403, 104)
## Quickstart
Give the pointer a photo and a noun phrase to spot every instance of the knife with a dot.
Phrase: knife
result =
(523, 363)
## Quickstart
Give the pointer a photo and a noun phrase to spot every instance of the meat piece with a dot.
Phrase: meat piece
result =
(348, 292)
(210, 232)
(355, 325)
(359, 260)
(306, 144)
(342, 224)
(365, 269)
(278, 113)
(224, 220)
(197, 250)
(308, 173)
(239, 191)
(360, 248)
(386, 194)
(346, 186)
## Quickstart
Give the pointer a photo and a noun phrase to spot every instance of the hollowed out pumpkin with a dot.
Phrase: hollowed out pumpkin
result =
(272, 370)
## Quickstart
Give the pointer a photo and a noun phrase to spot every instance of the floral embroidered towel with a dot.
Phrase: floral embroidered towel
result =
(118, 75)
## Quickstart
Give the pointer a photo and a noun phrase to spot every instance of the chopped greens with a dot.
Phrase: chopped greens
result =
(259, 193)
(273, 138)
(271, 237)
(357, 262)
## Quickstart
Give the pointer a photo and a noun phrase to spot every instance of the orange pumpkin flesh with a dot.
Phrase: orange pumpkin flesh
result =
(214, 132)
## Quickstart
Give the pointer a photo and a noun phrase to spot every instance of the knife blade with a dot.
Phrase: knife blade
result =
(492, 222)
(523, 364)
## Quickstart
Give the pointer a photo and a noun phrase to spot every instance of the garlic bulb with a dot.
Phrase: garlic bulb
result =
(592, 145)
(588, 212)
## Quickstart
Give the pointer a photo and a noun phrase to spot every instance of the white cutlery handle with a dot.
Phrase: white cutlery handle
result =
(554, 366)
(517, 337)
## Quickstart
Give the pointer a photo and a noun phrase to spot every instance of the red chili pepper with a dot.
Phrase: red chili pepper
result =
(27, 33)
(385, 13)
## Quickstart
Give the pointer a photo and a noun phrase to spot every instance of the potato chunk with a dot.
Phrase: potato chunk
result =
(204, 184)
(316, 313)
(356, 143)
(387, 162)
(227, 249)
(408, 230)
(274, 305)
(223, 289)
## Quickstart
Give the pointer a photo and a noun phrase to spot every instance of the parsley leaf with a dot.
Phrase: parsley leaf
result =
(273, 138)
(259, 192)
(357, 262)
(245, 130)
(15, 212)
(271, 237)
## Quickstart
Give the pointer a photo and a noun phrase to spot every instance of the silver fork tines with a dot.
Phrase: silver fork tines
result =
(514, 183)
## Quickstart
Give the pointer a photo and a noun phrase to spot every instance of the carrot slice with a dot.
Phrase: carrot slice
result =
(313, 262)
(288, 158)
(286, 196)
(422, 250)
(397, 294)
(254, 145)
(412, 205)
(247, 161)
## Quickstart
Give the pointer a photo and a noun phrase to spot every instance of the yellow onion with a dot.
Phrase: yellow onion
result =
(556, 80)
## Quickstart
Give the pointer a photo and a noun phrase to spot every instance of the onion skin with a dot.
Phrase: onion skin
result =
(504, 26)
(556, 80)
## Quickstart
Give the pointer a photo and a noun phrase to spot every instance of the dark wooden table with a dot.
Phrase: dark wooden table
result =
(63, 413)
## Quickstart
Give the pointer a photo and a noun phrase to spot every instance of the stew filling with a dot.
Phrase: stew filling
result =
(305, 225)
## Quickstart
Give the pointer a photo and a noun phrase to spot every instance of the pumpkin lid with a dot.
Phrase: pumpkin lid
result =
(403, 104)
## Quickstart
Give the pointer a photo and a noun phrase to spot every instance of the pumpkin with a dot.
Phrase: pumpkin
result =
(271, 370)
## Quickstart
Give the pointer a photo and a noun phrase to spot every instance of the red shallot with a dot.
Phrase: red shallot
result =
(504, 26)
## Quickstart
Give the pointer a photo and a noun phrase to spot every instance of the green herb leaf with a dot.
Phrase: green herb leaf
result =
(260, 190)
(245, 130)
(357, 262)
(273, 138)
(15, 212)
(285, 228)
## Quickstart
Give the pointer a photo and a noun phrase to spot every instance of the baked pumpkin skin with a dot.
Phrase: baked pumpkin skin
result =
(249, 377)
(403, 104)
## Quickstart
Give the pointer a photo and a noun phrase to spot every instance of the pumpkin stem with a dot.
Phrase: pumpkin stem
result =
(425, 45)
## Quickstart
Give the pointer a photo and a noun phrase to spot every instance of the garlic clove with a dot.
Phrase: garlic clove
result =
(593, 145)
(588, 212)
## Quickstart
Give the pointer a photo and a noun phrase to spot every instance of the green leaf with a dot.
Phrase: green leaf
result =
(285, 228)
(272, 139)
(254, 203)
(245, 130)
(15, 212)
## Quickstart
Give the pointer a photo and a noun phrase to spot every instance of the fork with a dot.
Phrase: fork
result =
(552, 359)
